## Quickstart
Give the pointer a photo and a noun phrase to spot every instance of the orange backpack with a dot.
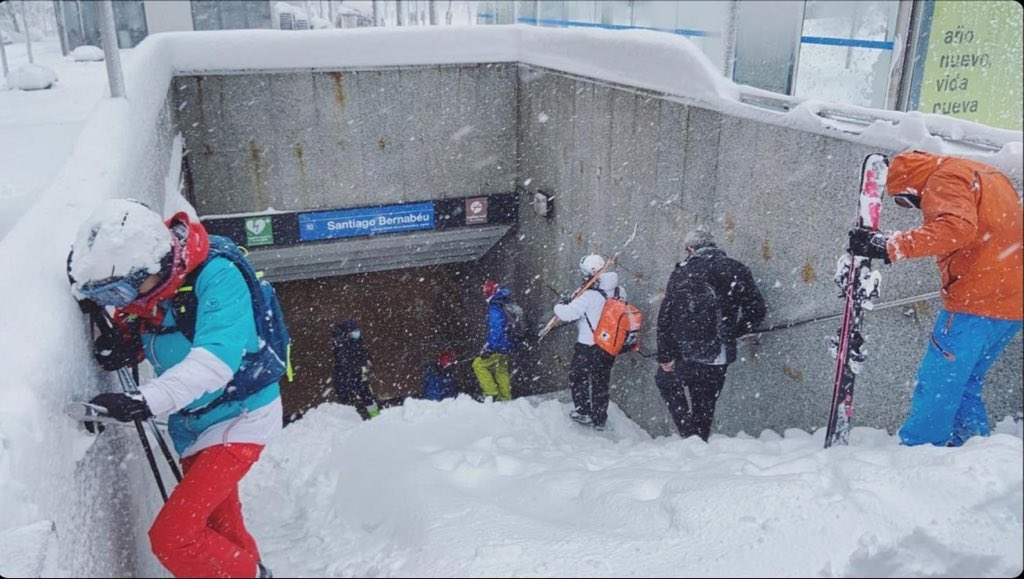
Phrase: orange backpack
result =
(618, 330)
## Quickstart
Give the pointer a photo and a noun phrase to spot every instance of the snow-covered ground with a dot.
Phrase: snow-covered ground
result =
(459, 488)
(38, 128)
(456, 488)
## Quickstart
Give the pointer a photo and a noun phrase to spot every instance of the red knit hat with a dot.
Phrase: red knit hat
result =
(445, 359)
(490, 288)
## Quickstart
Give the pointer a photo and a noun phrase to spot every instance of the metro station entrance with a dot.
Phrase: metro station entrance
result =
(407, 317)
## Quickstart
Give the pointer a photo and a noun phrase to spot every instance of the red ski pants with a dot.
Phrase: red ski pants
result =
(200, 532)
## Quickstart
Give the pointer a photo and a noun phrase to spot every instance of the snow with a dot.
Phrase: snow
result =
(86, 53)
(636, 58)
(29, 550)
(38, 129)
(459, 488)
(121, 236)
(31, 77)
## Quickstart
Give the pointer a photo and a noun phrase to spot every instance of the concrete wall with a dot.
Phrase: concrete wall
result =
(778, 199)
(316, 140)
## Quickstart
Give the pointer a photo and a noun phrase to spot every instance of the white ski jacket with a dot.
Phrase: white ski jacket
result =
(585, 310)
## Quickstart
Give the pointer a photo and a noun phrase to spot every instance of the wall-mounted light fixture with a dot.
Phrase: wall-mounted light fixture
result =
(543, 204)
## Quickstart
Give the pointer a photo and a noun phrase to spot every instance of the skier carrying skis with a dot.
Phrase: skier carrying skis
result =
(973, 227)
(126, 257)
(352, 369)
(492, 365)
(711, 299)
(591, 367)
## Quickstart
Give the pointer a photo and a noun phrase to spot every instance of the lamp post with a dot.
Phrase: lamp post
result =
(111, 55)
(28, 36)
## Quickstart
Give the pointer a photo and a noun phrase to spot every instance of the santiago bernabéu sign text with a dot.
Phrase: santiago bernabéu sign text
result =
(366, 221)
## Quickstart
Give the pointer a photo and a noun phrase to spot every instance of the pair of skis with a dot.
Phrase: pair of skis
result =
(859, 285)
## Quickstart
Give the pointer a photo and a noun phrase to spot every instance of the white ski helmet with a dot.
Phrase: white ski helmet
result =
(590, 264)
(122, 238)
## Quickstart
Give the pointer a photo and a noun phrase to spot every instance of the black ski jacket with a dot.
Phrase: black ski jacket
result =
(711, 300)
(350, 357)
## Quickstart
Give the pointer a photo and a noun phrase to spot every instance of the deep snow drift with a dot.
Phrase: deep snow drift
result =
(460, 488)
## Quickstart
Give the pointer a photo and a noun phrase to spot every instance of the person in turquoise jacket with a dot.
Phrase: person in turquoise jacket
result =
(126, 257)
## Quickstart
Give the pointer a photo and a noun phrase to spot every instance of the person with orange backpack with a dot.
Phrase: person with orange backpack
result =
(591, 367)
(711, 299)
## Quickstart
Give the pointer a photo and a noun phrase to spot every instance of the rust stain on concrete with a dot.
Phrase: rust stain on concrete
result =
(339, 89)
(792, 373)
(807, 272)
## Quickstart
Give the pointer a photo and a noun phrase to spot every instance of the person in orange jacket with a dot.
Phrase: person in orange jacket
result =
(973, 228)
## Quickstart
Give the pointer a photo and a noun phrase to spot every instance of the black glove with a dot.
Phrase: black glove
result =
(565, 298)
(869, 243)
(113, 349)
(486, 352)
(123, 407)
(113, 353)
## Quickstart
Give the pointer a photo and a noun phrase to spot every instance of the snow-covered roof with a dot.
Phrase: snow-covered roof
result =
(667, 64)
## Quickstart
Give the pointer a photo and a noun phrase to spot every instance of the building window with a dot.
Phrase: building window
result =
(216, 15)
(82, 21)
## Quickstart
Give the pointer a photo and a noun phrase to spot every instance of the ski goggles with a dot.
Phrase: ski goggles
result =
(115, 291)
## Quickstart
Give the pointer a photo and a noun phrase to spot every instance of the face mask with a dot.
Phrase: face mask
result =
(356, 335)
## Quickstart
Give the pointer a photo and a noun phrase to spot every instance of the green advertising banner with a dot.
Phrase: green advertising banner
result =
(973, 65)
(259, 231)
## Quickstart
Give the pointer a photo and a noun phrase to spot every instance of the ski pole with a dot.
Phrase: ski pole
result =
(129, 385)
(152, 459)
(138, 423)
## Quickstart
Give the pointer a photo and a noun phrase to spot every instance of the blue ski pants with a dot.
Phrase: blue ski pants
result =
(947, 408)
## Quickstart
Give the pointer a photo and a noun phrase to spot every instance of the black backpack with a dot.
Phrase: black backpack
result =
(518, 327)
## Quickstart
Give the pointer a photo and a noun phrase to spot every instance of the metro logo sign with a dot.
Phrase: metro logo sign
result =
(476, 210)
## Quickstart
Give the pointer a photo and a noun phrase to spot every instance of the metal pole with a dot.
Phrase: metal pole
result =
(28, 36)
(111, 55)
(378, 13)
(795, 61)
(908, 31)
(435, 13)
(129, 386)
(62, 32)
(3, 58)
(400, 11)
(81, 22)
(729, 46)
(14, 19)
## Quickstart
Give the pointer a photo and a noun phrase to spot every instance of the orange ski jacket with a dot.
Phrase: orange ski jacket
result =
(973, 227)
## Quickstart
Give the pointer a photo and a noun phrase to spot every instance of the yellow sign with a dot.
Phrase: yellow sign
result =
(973, 68)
